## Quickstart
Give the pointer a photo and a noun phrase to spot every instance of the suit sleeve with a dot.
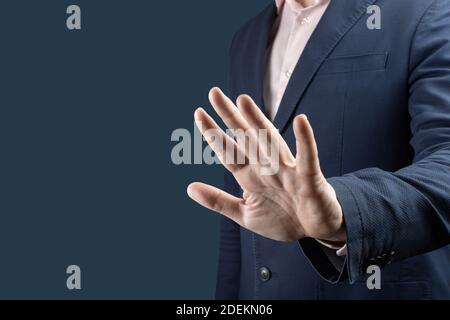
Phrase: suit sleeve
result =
(391, 216)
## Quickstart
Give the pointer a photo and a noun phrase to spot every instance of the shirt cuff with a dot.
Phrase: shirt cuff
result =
(341, 251)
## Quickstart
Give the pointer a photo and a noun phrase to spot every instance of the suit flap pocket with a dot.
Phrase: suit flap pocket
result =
(366, 62)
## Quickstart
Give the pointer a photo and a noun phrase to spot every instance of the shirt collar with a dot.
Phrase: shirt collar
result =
(296, 6)
(279, 4)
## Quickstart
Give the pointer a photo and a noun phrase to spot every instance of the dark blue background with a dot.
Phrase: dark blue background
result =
(85, 124)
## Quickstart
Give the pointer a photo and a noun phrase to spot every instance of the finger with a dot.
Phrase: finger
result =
(233, 119)
(258, 120)
(217, 200)
(227, 150)
(307, 154)
(226, 110)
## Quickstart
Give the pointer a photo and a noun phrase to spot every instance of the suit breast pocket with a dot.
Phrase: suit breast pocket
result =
(354, 63)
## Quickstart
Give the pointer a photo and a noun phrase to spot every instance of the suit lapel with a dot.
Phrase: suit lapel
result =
(257, 52)
(339, 17)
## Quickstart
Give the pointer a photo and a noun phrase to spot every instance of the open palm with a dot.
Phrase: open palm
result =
(289, 203)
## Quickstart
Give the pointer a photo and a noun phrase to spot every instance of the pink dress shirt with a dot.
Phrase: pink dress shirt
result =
(291, 33)
(294, 26)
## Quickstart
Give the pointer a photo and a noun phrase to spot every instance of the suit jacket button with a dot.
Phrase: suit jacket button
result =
(264, 274)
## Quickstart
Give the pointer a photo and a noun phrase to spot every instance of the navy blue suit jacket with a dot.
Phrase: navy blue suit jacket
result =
(379, 102)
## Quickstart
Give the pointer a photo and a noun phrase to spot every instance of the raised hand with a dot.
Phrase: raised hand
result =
(293, 202)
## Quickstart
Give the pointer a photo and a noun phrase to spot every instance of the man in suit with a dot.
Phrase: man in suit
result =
(370, 186)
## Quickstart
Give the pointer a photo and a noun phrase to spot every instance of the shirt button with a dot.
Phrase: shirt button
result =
(306, 20)
(264, 274)
(288, 74)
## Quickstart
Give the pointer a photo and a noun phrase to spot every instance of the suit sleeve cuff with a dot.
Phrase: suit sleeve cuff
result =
(354, 227)
(352, 267)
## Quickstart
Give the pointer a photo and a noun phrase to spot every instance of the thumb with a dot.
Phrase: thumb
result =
(216, 200)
